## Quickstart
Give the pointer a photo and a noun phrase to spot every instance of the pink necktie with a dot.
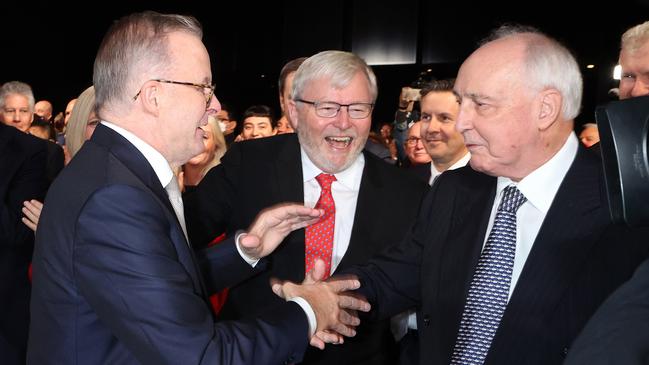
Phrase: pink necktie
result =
(319, 237)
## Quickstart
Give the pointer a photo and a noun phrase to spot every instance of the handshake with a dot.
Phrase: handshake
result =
(334, 305)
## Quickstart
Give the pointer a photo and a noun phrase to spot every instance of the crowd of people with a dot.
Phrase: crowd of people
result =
(472, 229)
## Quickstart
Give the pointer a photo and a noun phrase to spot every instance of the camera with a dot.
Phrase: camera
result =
(624, 143)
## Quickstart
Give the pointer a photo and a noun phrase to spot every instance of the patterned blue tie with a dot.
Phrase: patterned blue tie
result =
(489, 288)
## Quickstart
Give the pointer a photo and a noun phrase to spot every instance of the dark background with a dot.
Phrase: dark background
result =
(51, 45)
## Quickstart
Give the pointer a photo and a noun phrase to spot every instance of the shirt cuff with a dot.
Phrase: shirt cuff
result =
(252, 262)
(310, 314)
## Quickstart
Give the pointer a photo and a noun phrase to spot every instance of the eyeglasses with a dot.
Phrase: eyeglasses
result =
(412, 141)
(329, 109)
(208, 90)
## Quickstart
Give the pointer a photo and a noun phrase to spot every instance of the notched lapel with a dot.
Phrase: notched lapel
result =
(287, 186)
(576, 218)
(131, 158)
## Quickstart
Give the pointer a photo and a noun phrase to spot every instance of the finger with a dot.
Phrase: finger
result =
(329, 337)
(349, 317)
(316, 342)
(343, 329)
(277, 287)
(350, 302)
(30, 214)
(303, 223)
(339, 284)
(29, 224)
(316, 274)
(37, 204)
(249, 241)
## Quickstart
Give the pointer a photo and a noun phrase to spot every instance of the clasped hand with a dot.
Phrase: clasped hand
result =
(334, 305)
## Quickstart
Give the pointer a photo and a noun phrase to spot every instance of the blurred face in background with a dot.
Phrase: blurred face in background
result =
(93, 120)
(43, 109)
(285, 96)
(415, 149)
(635, 72)
(589, 136)
(257, 127)
(283, 126)
(68, 111)
(17, 113)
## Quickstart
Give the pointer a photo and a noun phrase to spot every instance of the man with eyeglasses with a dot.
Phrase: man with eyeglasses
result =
(415, 149)
(323, 164)
(115, 278)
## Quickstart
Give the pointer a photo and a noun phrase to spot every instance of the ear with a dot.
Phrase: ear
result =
(148, 98)
(292, 112)
(549, 108)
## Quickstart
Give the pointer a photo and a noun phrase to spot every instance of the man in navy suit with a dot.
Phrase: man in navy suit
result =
(115, 279)
(518, 94)
(23, 177)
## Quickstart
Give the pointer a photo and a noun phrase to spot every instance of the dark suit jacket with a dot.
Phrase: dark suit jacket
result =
(618, 332)
(422, 171)
(259, 173)
(55, 160)
(115, 281)
(22, 177)
(577, 260)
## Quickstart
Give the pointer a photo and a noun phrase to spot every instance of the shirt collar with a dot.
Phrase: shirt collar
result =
(541, 185)
(349, 178)
(156, 160)
(459, 163)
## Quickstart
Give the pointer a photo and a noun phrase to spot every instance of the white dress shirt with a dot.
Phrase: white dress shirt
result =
(459, 163)
(157, 161)
(539, 187)
(345, 194)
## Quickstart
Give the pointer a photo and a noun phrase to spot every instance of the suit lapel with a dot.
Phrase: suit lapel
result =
(9, 157)
(572, 224)
(138, 165)
(367, 202)
(463, 243)
(287, 185)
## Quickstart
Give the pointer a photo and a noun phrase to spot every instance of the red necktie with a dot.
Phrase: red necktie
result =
(319, 237)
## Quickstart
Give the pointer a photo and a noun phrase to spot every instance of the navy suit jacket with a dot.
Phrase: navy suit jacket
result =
(258, 173)
(577, 260)
(22, 177)
(115, 281)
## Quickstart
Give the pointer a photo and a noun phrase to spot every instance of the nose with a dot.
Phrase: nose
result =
(463, 122)
(432, 126)
(214, 106)
(342, 120)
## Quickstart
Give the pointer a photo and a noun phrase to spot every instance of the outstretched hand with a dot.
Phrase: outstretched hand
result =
(273, 224)
(334, 306)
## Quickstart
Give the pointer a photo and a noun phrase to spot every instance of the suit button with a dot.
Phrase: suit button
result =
(564, 352)
(426, 320)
